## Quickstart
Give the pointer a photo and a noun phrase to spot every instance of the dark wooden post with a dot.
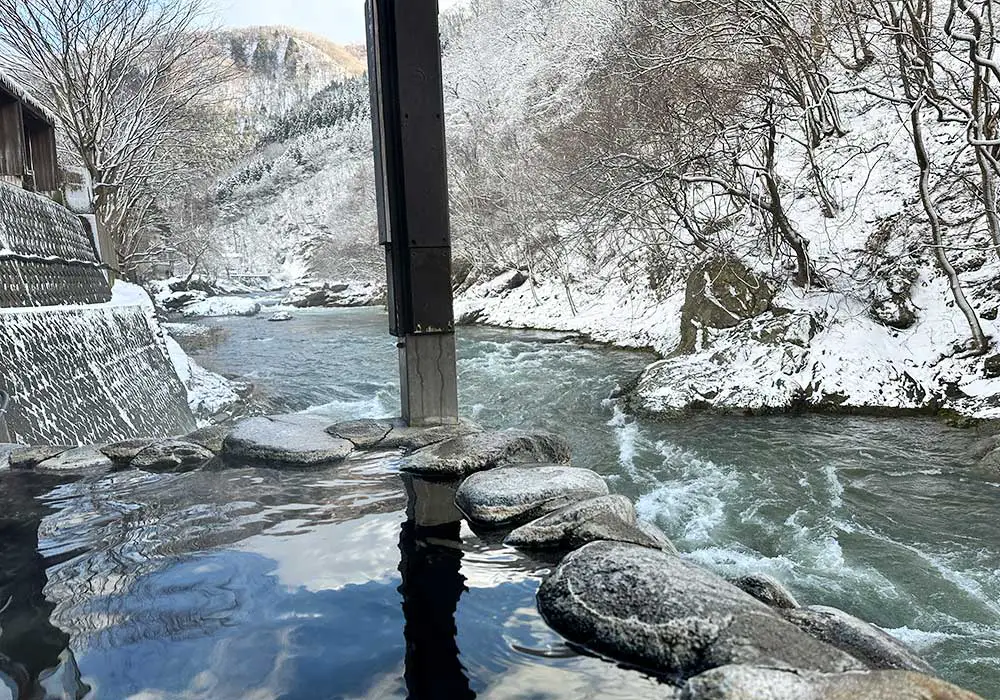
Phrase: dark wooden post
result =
(404, 70)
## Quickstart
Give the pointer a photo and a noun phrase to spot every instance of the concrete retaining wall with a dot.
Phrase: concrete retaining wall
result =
(90, 374)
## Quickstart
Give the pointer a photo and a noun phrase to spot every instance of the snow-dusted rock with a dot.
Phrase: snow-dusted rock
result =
(721, 293)
(79, 460)
(283, 441)
(171, 456)
(861, 640)
(466, 454)
(279, 316)
(222, 306)
(743, 682)
(610, 518)
(645, 607)
(510, 496)
(767, 590)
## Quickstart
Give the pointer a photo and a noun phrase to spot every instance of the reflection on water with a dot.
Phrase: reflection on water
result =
(351, 582)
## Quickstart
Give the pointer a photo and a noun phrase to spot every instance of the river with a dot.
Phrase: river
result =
(262, 584)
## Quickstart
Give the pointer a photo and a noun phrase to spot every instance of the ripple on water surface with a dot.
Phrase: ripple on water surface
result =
(259, 584)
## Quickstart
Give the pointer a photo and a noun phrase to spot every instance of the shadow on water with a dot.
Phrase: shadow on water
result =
(430, 546)
(35, 659)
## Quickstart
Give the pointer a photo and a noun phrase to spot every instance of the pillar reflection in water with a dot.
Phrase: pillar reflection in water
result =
(432, 583)
(34, 654)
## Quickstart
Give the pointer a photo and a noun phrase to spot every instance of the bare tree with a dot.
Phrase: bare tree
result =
(130, 81)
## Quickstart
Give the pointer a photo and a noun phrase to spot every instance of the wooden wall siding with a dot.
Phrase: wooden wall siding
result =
(41, 140)
(11, 140)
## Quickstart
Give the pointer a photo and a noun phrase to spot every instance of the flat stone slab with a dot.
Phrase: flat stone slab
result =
(79, 460)
(468, 454)
(865, 642)
(747, 682)
(285, 441)
(171, 456)
(510, 496)
(364, 434)
(31, 457)
(766, 589)
(414, 438)
(656, 611)
(603, 518)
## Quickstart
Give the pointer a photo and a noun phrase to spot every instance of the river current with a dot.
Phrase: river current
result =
(253, 583)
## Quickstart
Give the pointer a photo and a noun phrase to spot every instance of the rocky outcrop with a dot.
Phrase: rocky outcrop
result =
(721, 293)
(335, 294)
(610, 518)
(654, 610)
(749, 683)
(509, 496)
(467, 454)
(861, 640)
(284, 441)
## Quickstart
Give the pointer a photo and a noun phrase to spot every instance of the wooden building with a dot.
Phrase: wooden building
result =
(27, 140)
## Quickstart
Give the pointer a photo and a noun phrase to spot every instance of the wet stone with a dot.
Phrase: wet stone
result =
(767, 590)
(210, 437)
(364, 434)
(31, 457)
(468, 454)
(79, 460)
(290, 441)
(654, 610)
(172, 456)
(747, 682)
(510, 496)
(603, 518)
(865, 642)
(403, 436)
(122, 453)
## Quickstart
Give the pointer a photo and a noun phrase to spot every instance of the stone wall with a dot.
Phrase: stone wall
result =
(47, 256)
(89, 374)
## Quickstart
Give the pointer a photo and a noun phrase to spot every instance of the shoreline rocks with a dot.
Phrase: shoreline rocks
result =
(654, 610)
(283, 442)
(467, 454)
(510, 496)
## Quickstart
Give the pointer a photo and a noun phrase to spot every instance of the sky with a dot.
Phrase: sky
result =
(342, 21)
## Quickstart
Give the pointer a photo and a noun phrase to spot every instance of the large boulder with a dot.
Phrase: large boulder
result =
(413, 438)
(211, 437)
(656, 611)
(721, 293)
(509, 496)
(122, 453)
(30, 457)
(171, 456)
(603, 518)
(467, 454)
(284, 441)
(861, 640)
(751, 683)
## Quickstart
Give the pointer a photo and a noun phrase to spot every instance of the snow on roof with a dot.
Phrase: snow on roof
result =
(9, 85)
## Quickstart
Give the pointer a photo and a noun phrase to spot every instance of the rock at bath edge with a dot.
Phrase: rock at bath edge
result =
(284, 442)
(79, 460)
(654, 610)
(510, 496)
(477, 452)
(172, 456)
(751, 683)
(865, 642)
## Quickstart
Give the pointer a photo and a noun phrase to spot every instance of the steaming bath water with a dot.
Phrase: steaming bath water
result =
(263, 584)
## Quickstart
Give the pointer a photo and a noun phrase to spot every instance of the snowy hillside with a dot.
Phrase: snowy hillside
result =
(278, 68)
(777, 257)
